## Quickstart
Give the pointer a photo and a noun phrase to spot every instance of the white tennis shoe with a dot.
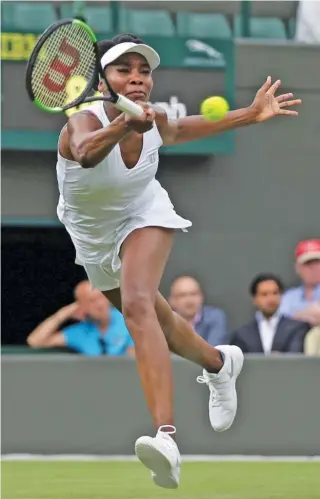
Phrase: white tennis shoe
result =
(161, 455)
(222, 386)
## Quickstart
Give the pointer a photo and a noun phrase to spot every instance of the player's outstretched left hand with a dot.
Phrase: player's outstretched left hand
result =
(266, 105)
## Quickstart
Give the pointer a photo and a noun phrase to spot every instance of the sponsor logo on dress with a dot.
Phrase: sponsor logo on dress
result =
(152, 157)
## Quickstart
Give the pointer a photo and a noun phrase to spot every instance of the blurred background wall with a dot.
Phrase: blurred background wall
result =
(45, 410)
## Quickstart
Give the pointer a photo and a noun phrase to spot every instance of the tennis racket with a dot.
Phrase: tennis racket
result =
(64, 68)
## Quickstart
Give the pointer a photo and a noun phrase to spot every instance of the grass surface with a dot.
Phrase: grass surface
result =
(130, 480)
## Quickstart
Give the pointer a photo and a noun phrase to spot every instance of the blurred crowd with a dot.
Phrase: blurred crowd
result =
(283, 321)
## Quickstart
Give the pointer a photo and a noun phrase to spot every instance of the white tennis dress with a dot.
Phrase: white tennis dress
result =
(101, 206)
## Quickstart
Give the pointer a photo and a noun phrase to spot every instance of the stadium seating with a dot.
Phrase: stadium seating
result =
(228, 8)
(7, 17)
(27, 16)
(146, 22)
(268, 20)
(203, 25)
(264, 27)
(66, 10)
(98, 17)
(292, 28)
(284, 10)
(142, 22)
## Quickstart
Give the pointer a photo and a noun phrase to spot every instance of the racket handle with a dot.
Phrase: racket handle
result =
(127, 106)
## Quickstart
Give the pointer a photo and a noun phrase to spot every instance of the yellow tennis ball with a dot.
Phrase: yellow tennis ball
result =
(214, 108)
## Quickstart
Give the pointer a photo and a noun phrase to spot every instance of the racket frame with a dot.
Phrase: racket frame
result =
(120, 101)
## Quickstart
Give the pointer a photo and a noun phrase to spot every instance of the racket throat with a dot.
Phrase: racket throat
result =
(127, 106)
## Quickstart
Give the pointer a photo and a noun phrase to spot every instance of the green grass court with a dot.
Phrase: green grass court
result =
(129, 480)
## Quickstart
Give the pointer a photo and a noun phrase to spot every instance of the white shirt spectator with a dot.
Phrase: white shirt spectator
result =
(308, 22)
(267, 330)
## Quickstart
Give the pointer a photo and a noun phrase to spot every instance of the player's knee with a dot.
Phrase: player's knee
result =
(137, 308)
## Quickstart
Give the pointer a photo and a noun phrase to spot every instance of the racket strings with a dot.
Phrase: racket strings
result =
(64, 66)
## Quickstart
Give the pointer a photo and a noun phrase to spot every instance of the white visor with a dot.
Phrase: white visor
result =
(151, 56)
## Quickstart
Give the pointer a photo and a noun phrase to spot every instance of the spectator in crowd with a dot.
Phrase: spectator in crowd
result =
(186, 298)
(269, 331)
(101, 329)
(312, 342)
(303, 302)
(308, 22)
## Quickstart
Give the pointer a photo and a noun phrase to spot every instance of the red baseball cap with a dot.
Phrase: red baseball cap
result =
(308, 250)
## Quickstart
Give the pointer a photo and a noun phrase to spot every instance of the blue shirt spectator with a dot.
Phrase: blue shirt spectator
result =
(303, 302)
(86, 337)
(186, 298)
(294, 300)
(211, 325)
(101, 329)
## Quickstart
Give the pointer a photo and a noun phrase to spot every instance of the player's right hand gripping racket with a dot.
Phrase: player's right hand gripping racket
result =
(66, 58)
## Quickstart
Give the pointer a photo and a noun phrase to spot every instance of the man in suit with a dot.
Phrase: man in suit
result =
(269, 331)
(186, 298)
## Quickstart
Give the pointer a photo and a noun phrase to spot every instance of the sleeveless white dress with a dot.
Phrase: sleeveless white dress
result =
(101, 206)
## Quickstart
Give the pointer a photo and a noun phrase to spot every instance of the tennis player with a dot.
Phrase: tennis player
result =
(122, 224)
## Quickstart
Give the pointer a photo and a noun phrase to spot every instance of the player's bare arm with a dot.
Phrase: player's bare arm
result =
(264, 106)
(47, 334)
(89, 142)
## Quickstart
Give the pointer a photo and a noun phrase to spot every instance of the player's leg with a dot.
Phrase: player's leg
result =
(219, 376)
(180, 336)
(183, 340)
(144, 254)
